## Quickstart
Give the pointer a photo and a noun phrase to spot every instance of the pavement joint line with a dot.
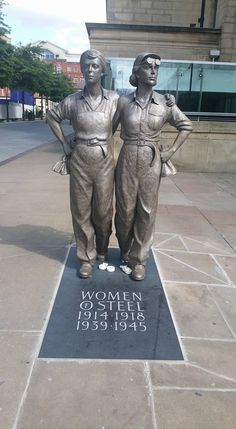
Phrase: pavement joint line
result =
(183, 242)
(147, 375)
(197, 252)
(215, 228)
(41, 336)
(199, 242)
(214, 257)
(226, 340)
(208, 371)
(195, 284)
(110, 361)
(23, 331)
(222, 314)
(170, 308)
(198, 388)
(193, 268)
(168, 239)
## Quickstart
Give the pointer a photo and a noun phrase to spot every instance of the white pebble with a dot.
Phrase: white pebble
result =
(110, 268)
(126, 269)
(103, 266)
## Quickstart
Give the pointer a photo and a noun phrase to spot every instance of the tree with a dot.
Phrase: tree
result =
(61, 87)
(6, 51)
(6, 64)
(4, 28)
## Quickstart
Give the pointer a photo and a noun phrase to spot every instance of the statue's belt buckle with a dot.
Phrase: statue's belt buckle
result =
(93, 142)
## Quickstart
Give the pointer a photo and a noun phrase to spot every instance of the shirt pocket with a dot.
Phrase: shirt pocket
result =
(155, 120)
(155, 117)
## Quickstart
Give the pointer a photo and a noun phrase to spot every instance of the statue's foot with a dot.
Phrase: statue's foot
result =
(138, 272)
(101, 257)
(124, 257)
(85, 270)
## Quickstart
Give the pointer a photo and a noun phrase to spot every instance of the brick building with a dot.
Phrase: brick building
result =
(63, 61)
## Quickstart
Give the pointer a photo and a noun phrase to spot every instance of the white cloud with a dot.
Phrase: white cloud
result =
(57, 22)
(71, 10)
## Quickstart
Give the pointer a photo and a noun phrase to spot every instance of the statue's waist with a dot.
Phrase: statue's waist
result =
(91, 142)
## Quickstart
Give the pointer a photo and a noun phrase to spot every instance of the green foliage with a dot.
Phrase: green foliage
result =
(61, 87)
(6, 64)
(4, 28)
(21, 68)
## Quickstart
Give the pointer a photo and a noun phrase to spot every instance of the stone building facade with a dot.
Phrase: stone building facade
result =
(181, 31)
(170, 27)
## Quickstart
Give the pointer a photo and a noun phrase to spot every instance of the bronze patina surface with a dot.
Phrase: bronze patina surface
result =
(90, 112)
(142, 115)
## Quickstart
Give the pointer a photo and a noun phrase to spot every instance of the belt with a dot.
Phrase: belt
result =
(93, 143)
(145, 143)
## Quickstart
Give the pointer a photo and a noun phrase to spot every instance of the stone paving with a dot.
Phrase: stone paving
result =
(195, 250)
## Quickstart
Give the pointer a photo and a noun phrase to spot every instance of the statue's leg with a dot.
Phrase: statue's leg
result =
(149, 182)
(103, 189)
(81, 188)
(126, 185)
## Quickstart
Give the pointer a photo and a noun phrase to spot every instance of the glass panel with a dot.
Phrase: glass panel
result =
(197, 87)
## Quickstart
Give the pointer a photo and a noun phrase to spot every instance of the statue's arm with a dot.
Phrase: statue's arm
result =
(117, 116)
(183, 125)
(56, 128)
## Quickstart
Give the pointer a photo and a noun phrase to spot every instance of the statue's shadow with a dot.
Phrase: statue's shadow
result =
(43, 240)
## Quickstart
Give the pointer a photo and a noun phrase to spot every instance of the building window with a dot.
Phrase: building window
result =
(68, 68)
(47, 55)
(208, 88)
(58, 68)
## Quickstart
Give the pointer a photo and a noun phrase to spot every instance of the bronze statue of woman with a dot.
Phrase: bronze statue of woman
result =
(90, 112)
(142, 115)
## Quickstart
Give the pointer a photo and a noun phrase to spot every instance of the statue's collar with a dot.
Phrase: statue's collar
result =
(105, 93)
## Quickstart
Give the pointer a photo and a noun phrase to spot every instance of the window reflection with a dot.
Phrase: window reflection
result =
(198, 87)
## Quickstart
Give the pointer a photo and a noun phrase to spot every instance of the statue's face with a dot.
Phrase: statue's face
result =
(92, 70)
(148, 72)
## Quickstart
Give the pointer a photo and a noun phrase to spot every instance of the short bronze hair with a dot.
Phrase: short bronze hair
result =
(91, 54)
(137, 63)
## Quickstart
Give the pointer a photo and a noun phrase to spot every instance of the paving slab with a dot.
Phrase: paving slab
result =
(194, 243)
(17, 354)
(185, 375)
(193, 409)
(226, 301)
(87, 395)
(216, 356)
(28, 282)
(195, 312)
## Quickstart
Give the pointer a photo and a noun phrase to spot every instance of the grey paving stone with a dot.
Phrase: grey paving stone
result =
(195, 312)
(87, 395)
(186, 375)
(226, 300)
(216, 356)
(28, 281)
(17, 350)
(184, 409)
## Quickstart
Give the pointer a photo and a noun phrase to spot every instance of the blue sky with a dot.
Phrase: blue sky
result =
(59, 22)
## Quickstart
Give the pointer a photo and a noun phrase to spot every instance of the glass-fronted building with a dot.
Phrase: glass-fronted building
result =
(202, 89)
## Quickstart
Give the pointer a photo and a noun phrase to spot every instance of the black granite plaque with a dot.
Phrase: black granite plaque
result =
(110, 316)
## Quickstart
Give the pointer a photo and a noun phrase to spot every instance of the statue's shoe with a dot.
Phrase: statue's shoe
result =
(138, 272)
(85, 270)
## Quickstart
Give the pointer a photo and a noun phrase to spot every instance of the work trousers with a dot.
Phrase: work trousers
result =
(137, 185)
(91, 198)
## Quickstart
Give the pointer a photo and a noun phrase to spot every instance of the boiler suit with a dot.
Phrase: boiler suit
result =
(91, 170)
(138, 171)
